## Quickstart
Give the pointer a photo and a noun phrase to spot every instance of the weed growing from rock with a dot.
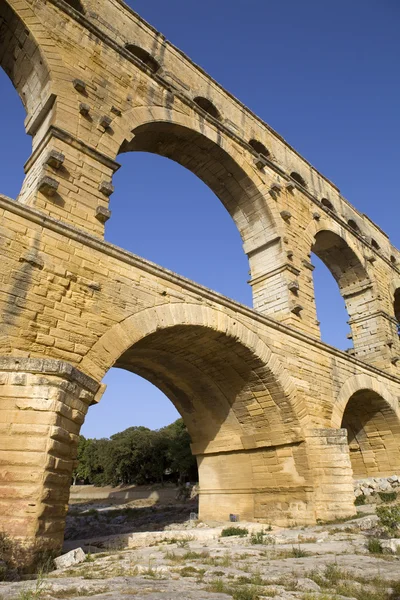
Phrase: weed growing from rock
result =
(231, 531)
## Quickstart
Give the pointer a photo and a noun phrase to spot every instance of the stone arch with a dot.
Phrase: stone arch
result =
(335, 247)
(371, 417)
(236, 399)
(21, 57)
(198, 145)
(123, 336)
(394, 299)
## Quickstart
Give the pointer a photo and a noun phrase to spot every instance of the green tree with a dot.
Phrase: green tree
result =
(137, 455)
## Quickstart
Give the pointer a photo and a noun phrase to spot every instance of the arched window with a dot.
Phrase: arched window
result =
(393, 259)
(259, 148)
(17, 76)
(396, 305)
(372, 428)
(207, 106)
(375, 244)
(349, 272)
(298, 178)
(77, 5)
(143, 56)
(180, 212)
(353, 225)
(328, 204)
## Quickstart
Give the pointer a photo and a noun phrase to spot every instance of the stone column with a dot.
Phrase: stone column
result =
(43, 404)
(330, 466)
(69, 180)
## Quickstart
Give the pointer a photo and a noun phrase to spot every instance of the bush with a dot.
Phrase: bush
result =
(389, 517)
(229, 531)
(360, 500)
(374, 546)
(387, 496)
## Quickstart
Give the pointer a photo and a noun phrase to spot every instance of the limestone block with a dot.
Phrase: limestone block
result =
(74, 557)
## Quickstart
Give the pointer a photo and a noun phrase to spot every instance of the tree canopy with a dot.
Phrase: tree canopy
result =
(137, 455)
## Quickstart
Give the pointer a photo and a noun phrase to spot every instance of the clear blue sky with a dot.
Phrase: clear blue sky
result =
(325, 75)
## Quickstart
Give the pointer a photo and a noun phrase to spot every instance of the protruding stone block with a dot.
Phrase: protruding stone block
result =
(55, 159)
(105, 121)
(84, 109)
(276, 187)
(260, 162)
(286, 215)
(79, 85)
(297, 308)
(106, 188)
(102, 214)
(48, 186)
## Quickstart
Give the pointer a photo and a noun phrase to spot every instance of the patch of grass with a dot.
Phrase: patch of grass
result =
(192, 555)
(190, 571)
(184, 542)
(35, 593)
(297, 552)
(237, 591)
(92, 512)
(339, 520)
(219, 561)
(231, 531)
(260, 537)
(387, 496)
(76, 592)
(307, 539)
(374, 546)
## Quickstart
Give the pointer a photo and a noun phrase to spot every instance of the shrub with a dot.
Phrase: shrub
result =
(230, 531)
(260, 537)
(298, 552)
(374, 546)
(387, 496)
(360, 500)
(389, 517)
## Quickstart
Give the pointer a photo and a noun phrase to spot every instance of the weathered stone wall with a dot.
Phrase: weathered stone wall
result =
(264, 400)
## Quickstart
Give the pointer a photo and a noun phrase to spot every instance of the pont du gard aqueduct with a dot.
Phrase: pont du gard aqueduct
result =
(280, 422)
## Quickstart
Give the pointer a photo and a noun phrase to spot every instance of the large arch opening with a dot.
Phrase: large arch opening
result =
(353, 285)
(238, 412)
(213, 165)
(331, 309)
(396, 308)
(20, 57)
(373, 430)
(21, 68)
(177, 222)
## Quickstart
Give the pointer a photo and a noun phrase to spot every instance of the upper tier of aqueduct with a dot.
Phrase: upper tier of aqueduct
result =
(280, 422)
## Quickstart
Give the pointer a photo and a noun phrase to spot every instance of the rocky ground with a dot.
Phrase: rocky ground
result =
(149, 553)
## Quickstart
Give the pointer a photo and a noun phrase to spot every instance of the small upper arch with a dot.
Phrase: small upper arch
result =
(375, 244)
(259, 147)
(298, 178)
(208, 107)
(77, 5)
(144, 56)
(354, 225)
(327, 204)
